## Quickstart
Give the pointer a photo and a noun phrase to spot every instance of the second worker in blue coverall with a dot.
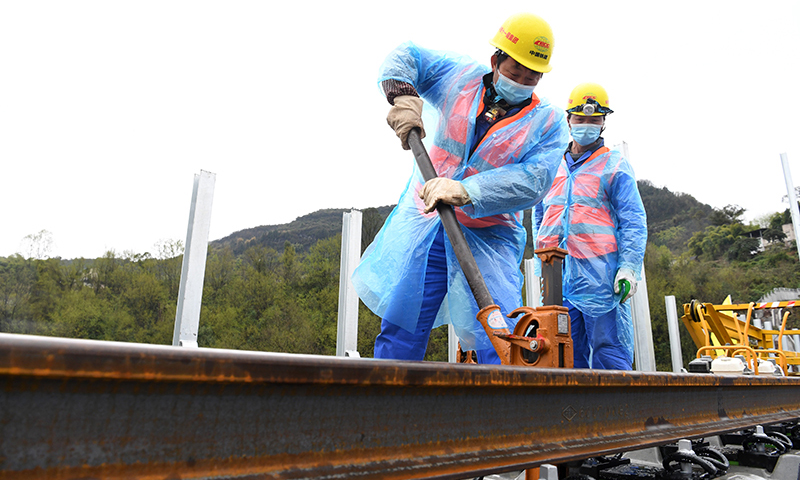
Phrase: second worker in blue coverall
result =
(594, 211)
(496, 149)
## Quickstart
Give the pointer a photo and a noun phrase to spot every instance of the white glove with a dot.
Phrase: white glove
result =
(405, 115)
(625, 275)
(443, 190)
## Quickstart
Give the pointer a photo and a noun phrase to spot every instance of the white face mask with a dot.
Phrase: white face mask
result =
(511, 91)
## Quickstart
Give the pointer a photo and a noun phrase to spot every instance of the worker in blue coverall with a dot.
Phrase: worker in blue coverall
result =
(496, 151)
(595, 212)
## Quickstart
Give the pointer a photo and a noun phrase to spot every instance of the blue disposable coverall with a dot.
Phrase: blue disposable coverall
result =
(510, 170)
(595, 212)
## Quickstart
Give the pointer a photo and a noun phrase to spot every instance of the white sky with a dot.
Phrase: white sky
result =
(109, 108)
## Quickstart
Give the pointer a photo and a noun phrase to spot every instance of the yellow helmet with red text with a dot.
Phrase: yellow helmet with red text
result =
(588, 100)
(528, 39)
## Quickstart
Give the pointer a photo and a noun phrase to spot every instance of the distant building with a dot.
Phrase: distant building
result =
(780, 295)
(789, 231)
(757, 234)
(763, 243)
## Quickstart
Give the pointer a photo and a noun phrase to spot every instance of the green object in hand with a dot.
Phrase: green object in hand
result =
(624, 289)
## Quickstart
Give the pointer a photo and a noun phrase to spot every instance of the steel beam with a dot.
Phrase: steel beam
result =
(193, 270)
(89, 409)
(347, 324)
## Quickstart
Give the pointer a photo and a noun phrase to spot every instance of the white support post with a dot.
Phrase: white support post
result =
(347, 329)
(675, 349)
(452, 344)
(787, 175)
(533, 292)
(643, 352)
(190, 293)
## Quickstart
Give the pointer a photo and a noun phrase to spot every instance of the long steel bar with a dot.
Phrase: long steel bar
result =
(452, 227)
(89, 409)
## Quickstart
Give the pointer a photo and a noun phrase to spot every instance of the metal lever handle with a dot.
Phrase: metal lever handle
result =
(452, 227)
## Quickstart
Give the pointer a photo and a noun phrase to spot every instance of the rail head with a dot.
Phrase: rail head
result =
(52, 357)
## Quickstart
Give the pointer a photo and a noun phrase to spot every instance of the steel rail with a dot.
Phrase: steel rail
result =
(89, 409)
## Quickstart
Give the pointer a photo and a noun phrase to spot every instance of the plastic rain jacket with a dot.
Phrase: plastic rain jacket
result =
(510, 170)
(595, 213)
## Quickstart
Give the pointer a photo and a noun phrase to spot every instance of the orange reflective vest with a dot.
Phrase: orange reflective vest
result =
(594, 212)
(447, 153)
(587, 224)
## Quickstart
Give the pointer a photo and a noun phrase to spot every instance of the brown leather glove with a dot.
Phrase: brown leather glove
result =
(405, 115)
(443, 190)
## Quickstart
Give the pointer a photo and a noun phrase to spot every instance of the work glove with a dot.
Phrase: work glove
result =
(405, 115)
(443, 190)
(625, 283)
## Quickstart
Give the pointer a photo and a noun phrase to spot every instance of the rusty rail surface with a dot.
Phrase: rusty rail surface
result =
(89, 409)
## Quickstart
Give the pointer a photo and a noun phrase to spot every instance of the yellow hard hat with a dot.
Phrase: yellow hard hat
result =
(528, 39)
(588, 100)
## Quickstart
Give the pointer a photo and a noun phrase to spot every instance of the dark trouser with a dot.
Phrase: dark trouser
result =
(594, 341)
(399, 344)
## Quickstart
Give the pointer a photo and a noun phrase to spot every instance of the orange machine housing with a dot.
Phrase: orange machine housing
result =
(542, 336)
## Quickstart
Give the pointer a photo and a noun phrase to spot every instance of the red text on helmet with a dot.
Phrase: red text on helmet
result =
(510, 36)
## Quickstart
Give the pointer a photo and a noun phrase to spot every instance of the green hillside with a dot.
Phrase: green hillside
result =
(672, 218)
(303, 232)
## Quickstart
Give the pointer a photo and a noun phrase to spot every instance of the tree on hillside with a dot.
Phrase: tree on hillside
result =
(725, 240)
(17, 276)
(672, 218)
(38, 245)
(727, 215)
(319, 290)
(371, 223)
(168, 270)
(774, 228)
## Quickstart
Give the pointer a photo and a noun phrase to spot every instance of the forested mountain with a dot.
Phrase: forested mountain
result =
(275, 287)
(304, 231)
(672, 219)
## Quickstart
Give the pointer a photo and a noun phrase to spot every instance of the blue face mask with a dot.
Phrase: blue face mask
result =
(586, 133)
(511, 91)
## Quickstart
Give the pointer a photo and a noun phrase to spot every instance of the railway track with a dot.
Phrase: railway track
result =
(74, 409)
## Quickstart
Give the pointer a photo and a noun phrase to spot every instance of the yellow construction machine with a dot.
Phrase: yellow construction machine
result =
(729, 330)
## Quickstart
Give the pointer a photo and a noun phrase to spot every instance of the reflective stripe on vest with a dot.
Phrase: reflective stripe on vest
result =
(591, 226)
(447, 152)
(552, 217)
(551, 230)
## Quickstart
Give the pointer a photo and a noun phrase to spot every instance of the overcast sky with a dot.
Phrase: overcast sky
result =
(108, 109)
